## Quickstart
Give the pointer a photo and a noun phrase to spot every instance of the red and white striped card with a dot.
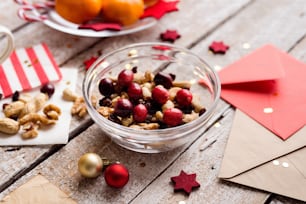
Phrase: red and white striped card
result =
(28, 68)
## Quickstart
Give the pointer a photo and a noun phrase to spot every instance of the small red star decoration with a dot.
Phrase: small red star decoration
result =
(170, 35)
(101, 26)
(218, 47)
(159, 9)
(89, 62)
(185, 182)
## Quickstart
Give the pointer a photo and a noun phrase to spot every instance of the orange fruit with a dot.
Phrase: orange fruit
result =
(125, 12)
(149, 3)
(78, 11)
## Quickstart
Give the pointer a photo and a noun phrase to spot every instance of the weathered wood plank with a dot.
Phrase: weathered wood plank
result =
(59, 44)
(8, 14)
(206, 165)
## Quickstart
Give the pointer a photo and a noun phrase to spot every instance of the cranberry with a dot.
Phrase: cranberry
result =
(48, 89)
(134, 69)
(163, 79)
(134, 91)
(105, 102)
(140, 113)
(125, 77)
(173, 117)
(184, 97)
(160, 94)
(123, 107)
(15, 96)
(202, 111)
(106, 87)
(1, 95)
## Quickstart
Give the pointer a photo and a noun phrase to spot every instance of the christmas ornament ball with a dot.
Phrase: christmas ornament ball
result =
(90, 165)
(116, 175)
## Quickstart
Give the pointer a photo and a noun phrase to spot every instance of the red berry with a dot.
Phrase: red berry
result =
(184, 97)
(140, 113)
(123, 107)
(160, 94)
(134, 91)
(106, 87)
(125, 77)
(48, 89)
(116, 175)
(173, 117)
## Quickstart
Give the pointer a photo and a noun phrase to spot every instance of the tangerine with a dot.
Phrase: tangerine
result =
(78, 11)
(125, 12)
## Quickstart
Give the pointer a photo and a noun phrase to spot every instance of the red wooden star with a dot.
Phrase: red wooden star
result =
(89, 62)
(185, 182)
(218, 47)
(159, 9)
(170, 35)
(101, 26)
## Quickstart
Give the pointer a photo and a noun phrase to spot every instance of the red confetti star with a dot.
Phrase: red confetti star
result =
(170, 35)
(218, 47)
(185, 182)
(101, 26)
(159, 9)
(89, 62)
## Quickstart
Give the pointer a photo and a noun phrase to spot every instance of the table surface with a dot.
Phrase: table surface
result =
(237, 23)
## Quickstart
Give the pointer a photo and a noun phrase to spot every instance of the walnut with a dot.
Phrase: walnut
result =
(79, 107)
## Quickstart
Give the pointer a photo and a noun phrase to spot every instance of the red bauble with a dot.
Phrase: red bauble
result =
(116, 175)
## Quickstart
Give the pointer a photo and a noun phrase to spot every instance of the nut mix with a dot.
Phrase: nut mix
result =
(23, 114)
(147, 101)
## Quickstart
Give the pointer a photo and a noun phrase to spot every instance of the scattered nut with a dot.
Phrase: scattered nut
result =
(190, 117)
(25, 98)
(13, 109)
(182, 84)
(105, 111)
(36, 118)
(31, 130)
(167, 105)
(9, 126)
(127, 121)
(172, 92)
(35, 104)
(52, 111)
(69, 95)
(79, 107)
(145, 126)
(146, 92)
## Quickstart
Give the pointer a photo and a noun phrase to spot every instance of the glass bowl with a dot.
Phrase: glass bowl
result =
(185, 65)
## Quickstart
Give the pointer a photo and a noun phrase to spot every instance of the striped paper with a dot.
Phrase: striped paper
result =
(28, 68)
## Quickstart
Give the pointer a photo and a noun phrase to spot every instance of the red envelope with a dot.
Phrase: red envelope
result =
(270, 86)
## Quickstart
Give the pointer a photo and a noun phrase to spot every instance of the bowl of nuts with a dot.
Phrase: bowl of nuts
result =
(151, 97)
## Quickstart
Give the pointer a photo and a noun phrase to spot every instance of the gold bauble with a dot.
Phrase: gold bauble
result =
(90, 165)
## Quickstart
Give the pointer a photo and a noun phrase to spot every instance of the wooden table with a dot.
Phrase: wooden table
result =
(255, 22)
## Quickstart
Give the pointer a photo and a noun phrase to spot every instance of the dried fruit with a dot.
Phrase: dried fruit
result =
(140, 113)
(123, 107)
(163, 79)
(134, 91)
(160, 94)
(173, 117)
(48, 89)
(184, 97)
(106, 87)
(125, 77)
(15, 96)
